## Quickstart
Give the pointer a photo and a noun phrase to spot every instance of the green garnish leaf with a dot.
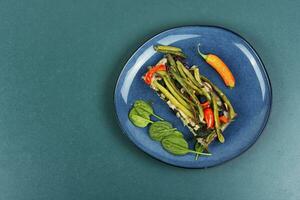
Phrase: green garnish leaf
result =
(178, 146)
(175, 145)
(139, 120)
(177, 133)
(171, 139)
(161, 129)
(145, 108)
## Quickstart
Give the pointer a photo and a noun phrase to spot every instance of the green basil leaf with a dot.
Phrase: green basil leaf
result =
(139, 120)
(161, 129)
(175, 145)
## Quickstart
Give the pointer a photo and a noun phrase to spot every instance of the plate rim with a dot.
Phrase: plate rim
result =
(268, 81)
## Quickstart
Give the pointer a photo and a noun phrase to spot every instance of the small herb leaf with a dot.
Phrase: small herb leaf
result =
(145, 108)
(177, 133)
(175, 145)
(161, 129)
(139, 120)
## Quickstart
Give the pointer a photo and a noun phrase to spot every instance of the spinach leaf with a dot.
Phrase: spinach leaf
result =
(160, 129)
(145, 108)
(175, 145)
(177, 133)
(140, 113)
(178, 146)
(139, 120)
(171, 139)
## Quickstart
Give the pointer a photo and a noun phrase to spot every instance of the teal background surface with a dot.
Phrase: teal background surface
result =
(59, 137)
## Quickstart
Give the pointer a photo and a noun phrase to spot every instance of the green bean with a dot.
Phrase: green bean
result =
(198, 104)
(174, 90)
(232, 113)
(183, 82)
(197, 89)
(169, 49)
(196, 83)
(171, 60)
(175, 94)
(200, 90)
(206, 94)
(217, 120)
(201, 114)
(187, 73)
(192, 86)
(179, 68)
(197, 75)
(172, 99)
(195, 115)
(181, 95)
(212, 135)
(200, 85)
(188, 76)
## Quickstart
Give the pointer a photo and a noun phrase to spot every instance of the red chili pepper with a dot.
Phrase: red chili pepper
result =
(205, 104)
(149, 75)
(224, 119)
(209, 117)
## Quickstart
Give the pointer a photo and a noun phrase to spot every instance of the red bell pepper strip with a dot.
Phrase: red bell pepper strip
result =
(224, 119)
(205, 104)
(209, 117)
(149, 75)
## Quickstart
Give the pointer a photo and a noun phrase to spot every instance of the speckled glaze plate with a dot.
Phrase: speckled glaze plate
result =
(251, 97)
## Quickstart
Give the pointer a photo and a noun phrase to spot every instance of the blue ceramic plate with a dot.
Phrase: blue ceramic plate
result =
(251, 97)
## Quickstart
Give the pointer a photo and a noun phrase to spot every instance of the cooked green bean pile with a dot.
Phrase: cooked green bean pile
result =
(200, 104)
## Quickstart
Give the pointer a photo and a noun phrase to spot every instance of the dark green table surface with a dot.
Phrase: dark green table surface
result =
(59, 138)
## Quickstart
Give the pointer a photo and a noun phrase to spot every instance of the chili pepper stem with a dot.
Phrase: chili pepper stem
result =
(204, 56)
